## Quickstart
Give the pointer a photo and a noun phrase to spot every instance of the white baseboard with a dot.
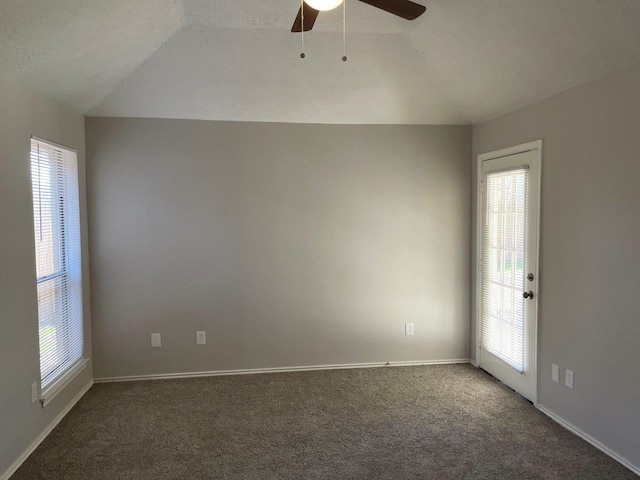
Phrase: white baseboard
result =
(21, 459)
(585, 436)
(219, 373)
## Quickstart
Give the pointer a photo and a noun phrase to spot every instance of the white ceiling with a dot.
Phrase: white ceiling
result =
(464, 61)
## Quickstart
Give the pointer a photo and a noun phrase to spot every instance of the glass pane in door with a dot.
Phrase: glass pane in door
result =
(503, 265)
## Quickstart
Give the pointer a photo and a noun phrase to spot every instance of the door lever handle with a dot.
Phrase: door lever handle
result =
(528, 294)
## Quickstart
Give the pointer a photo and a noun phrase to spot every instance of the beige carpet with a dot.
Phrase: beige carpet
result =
(437, 422)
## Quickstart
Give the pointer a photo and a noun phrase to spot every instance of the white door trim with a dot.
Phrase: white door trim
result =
(505, 152)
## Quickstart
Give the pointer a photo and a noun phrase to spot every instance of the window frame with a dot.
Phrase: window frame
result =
(53, 380)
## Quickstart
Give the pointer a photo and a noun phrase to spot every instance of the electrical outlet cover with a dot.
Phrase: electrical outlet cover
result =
(568, 379)
(156, 340)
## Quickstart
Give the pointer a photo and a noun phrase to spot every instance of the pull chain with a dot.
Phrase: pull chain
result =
(344, 30)
(302, 55)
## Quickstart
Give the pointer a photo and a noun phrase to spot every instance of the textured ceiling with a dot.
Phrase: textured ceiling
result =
(464, 61)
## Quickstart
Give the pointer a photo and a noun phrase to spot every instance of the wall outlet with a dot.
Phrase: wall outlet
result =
(555, 373)
(568, 379)
(156, 340)
(408, 329)
(34, 392)
(201, 338)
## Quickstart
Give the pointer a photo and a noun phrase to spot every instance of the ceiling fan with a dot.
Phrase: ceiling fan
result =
(402, 8)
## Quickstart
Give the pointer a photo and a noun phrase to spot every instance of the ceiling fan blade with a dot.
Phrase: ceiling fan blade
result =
(310, 15)
(402, 8)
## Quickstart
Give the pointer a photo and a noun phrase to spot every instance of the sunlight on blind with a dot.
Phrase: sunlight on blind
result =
(503, 266)
(54, 175)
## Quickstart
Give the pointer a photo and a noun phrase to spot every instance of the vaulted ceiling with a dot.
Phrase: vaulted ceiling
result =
(464, 61)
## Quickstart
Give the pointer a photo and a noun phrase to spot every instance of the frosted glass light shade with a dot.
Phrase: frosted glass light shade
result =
(324, 5)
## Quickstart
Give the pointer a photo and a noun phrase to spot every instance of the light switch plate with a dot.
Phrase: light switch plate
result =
(555, 373)
(408, 329)
(156, 341)
(34, 392)
(201, 338)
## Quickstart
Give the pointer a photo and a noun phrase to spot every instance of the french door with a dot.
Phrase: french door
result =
(508, 266)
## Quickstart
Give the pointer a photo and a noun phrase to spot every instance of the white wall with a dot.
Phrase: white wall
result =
(291, 245)
(590, 251)
(24, 113)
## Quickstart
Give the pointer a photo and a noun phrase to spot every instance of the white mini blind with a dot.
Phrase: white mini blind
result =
(54, 175)
(503, 265)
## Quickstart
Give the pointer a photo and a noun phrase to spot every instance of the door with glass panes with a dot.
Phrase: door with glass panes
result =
(508, 269)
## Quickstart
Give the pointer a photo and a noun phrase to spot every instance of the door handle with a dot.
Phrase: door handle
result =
(528, 294)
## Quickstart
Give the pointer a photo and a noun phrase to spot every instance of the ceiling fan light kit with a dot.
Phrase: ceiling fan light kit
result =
(309, 10)
(324, 5)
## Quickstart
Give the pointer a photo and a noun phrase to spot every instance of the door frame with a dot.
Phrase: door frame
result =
(506, 152)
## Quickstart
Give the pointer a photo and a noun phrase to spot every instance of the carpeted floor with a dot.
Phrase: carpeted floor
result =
(435, 422)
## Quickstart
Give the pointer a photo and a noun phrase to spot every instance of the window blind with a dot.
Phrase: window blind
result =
(54, 175)
(503, 265)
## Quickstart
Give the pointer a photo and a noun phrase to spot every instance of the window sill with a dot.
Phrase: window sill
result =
(55, 388)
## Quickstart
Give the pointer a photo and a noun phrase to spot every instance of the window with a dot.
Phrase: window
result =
(54, 178)
(504, 250)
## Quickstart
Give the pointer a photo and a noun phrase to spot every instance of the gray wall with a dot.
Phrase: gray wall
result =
(291, 245)
(23, 113)
(589, 293)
